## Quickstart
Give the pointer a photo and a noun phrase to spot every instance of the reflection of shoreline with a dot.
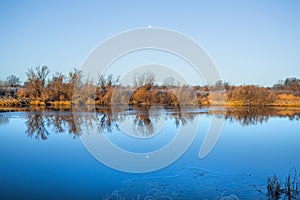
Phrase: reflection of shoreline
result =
(254, 115)
(41, 122)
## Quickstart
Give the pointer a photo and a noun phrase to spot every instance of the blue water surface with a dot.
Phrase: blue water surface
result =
(60, 167)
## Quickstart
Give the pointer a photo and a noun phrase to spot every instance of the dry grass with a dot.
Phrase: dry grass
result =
(90, 101)
(11, 103)
(289, 100)
(37, 103)
(217, 98)
(183, 96)
(234, 103)
(61, 103)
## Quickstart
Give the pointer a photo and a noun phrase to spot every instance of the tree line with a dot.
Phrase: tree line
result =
(40, 88)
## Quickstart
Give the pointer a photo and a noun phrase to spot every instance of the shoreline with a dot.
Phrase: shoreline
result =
(14, 103)
(67, 105)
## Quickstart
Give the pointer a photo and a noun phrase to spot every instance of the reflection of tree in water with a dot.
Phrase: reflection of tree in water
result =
(144, 120)
(3, 118)
(36, 126)
(254, 115)
(40, 122)
(248, 116)
(62, 122)
(182, 117)
(106, 120)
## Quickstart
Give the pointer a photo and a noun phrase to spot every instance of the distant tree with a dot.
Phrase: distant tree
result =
(144, 78)
(185, 95)
(57, 88)
(278, 86)
(220, 85)
(105, 82)
(292, 84)
(2, 88)
(169, 81)
(104, 88)
(74, 89)
(251, 95)
(36, 82)
(13, 81)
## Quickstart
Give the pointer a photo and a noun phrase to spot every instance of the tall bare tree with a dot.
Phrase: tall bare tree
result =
(75, 85)
(36, 81)
(105, 82)
(143, 78)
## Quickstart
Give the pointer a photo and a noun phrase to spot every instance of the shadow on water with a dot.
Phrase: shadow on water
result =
(41, 122)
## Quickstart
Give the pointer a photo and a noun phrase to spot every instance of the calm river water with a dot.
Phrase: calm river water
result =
(45, 154)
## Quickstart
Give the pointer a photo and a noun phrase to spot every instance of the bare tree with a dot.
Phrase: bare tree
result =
(105, 82)
(169, 81)
(74, 85)
(57, 88)
(143, 78)
(36, 81)
(292, 84)
(13, 81)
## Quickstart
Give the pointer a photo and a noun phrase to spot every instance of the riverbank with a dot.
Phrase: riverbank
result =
(281, 100)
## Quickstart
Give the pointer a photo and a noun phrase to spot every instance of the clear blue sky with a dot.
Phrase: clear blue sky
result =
(252, 42)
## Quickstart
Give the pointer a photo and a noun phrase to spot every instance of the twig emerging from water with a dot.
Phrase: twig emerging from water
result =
(289, 189)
